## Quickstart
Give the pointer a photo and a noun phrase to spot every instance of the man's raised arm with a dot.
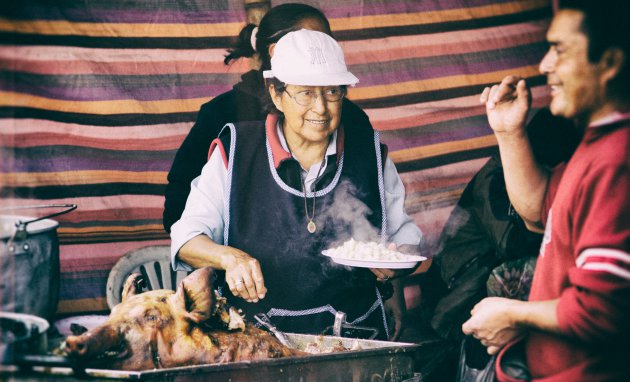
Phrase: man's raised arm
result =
(526, 181)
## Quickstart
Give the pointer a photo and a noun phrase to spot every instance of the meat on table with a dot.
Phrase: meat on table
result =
(164, 329)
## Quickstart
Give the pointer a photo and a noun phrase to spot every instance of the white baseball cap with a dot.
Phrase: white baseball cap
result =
(309, 58)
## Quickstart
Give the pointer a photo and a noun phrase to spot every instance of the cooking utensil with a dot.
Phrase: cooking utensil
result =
(342, 328)
(29, 262)
(21, 334)
(376, 361)
(264, 320)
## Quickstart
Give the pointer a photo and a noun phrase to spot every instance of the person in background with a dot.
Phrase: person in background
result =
(275, 193)
(575, 325)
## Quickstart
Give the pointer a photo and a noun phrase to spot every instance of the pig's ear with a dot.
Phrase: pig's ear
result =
(133, 286)
(198, 292)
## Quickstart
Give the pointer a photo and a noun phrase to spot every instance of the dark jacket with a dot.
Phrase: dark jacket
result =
(482, 232)
(242, 103)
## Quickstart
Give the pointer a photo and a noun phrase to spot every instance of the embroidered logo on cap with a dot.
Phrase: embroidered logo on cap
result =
(317, 57)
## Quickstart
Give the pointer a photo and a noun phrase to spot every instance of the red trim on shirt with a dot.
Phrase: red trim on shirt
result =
(341, 137)
(277, 152)
(217, 143)
(500, 374)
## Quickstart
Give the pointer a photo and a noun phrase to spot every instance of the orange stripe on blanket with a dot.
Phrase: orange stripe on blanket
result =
(82, 305)
(111, 214)
(124, 68)
(433, 17)
(94, 203)
(390, 48)
(41, 126)
(50, 139)
(65, 27)
(72, 178)
(103, 55)
(461, 80)
(409, 116)
(429, 151)
(12, 99)
(111, 229)
(428, 118)
(518, 33)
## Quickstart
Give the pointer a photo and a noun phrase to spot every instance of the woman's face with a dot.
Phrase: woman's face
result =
(311, 121)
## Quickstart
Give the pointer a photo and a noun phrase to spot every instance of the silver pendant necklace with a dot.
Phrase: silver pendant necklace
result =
(311, 227)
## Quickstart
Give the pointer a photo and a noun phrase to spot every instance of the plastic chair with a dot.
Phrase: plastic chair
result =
(152, 262)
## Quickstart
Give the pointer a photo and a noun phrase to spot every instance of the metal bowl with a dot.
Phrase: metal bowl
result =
(21, 334)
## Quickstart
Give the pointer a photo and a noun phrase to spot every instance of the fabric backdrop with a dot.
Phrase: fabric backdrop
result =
(97, 95)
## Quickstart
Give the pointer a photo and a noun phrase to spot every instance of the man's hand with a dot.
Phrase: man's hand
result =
(396, 309)
(507, 105)
(492, 324)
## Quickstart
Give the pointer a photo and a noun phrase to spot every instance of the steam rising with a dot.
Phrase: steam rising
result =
(350, 216)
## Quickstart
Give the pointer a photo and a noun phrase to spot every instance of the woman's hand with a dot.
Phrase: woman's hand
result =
(242, 272)
(244, 276)
(384, 275)
(491, 323)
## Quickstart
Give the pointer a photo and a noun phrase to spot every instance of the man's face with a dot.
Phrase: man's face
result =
(577, 86)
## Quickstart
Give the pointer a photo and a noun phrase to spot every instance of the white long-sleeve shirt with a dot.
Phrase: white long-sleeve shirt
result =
(204, 211)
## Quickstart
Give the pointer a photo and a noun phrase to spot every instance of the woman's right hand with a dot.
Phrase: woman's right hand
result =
(244, 276)
(242, 272)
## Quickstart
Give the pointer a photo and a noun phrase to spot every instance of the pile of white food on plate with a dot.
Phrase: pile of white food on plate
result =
(372, 251)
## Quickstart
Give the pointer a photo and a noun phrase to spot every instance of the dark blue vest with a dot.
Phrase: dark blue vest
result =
(266, 218)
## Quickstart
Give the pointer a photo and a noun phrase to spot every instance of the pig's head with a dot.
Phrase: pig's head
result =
(163, 328)
(149, 330)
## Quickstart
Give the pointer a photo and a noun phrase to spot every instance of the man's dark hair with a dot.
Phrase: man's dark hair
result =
(606, 26)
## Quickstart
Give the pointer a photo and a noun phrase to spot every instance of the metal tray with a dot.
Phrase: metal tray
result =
(375, 361)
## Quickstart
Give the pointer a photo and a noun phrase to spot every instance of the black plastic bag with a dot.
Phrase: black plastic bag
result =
(475, 364)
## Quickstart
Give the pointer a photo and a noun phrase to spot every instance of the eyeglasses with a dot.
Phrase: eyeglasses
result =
(308, 97)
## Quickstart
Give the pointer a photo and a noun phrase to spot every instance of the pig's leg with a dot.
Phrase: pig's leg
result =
(199, 294)
(133, 286)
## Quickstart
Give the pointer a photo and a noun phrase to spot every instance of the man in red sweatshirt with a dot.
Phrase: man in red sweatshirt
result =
(576, 324)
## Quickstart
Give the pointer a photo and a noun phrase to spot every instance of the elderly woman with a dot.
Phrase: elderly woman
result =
(265, 207)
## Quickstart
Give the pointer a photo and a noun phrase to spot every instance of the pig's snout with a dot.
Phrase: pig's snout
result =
(93, 343)
(76, 346)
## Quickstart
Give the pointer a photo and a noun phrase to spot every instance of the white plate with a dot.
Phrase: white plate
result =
(409, 262)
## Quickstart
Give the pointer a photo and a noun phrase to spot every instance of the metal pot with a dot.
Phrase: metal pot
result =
(29, 262)
(21, 334)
